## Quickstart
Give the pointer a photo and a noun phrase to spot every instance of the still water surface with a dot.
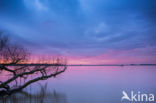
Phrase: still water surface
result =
(94, 84)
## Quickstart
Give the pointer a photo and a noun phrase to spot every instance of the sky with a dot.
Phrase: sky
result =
(83, 31)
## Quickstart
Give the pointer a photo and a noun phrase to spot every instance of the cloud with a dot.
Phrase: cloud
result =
(35, 5)
(80, 27)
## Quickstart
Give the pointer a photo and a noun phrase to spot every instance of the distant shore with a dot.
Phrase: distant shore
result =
(38, 64)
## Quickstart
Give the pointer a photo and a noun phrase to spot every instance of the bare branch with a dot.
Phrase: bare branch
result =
(11, 55)
(36, 79)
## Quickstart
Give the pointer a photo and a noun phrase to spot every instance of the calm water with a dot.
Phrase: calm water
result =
(89, 85)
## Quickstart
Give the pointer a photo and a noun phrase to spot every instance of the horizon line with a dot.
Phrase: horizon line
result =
(41, 64)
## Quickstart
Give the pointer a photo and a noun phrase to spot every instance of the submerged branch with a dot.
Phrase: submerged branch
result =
(7, 90)
(12, 57)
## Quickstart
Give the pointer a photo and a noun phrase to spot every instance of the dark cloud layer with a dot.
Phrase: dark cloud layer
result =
(80, 26)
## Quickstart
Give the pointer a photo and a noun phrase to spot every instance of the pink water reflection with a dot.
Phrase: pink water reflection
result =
(100, 84)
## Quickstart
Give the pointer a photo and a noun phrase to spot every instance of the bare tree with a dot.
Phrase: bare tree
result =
(21, 75)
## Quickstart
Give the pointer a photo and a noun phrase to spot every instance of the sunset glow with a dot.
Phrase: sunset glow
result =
(83, 31)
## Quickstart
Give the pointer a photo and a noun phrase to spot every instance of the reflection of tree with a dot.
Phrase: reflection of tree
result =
(43, 96)
(23, 75)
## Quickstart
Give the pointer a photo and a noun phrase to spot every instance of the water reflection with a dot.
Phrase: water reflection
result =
(43, 96)
(90, 85)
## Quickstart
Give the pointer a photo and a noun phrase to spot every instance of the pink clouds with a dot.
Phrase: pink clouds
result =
(132, 56)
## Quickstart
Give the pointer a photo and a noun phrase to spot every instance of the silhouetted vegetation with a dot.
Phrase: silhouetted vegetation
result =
(22, 76)
(41, 96)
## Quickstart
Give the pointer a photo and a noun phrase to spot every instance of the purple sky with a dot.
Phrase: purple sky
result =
(84, 31)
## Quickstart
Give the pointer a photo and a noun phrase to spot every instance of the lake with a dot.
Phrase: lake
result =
(89, 84)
